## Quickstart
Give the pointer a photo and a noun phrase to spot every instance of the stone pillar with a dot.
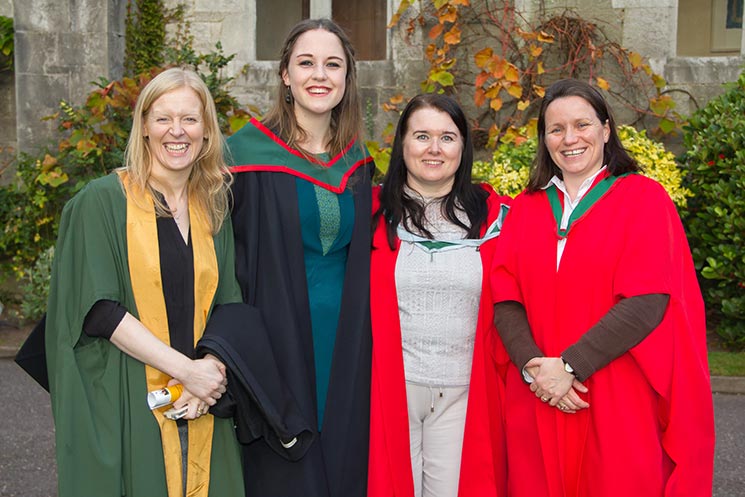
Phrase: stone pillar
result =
(6, 8)
(61, 46)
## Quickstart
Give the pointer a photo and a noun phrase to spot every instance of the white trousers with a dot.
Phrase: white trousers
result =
(437, 417)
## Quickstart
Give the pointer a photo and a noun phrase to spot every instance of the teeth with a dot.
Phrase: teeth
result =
(572, 153)
(180, 147)
(432, 162)
(318, 91)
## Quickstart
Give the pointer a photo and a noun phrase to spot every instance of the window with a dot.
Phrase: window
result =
(709, 27)
(363, 20)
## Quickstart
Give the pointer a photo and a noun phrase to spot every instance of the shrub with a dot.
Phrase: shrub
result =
(657, 163)
(91, 144)
(509, 168)
(510, 165)
(145, 28)
(35, 287)
(715, 165)
(7, 35)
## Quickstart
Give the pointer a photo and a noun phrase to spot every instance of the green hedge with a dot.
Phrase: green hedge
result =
(715, 165)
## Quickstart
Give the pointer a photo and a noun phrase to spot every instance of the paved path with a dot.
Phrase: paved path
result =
(27, 467)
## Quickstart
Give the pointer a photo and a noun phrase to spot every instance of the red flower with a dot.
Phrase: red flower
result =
(710, 163)
(721, 156)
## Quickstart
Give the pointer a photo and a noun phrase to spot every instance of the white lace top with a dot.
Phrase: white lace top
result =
(438, 302)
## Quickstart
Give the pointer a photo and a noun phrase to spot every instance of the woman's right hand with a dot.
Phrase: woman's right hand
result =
(572, 402)
(205, 379)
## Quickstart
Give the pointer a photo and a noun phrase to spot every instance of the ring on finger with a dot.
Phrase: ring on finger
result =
(562, 407)
(544, 399)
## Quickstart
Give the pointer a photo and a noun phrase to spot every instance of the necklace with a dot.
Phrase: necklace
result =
(178, 213)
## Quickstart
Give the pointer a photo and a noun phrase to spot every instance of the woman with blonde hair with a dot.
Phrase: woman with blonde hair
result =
(302, 225)
(142, 257)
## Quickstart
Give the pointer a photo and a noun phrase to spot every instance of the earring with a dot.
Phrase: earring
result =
(288, 94)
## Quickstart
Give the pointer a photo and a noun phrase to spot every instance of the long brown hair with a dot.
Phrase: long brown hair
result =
(346, 117)
(210, 179)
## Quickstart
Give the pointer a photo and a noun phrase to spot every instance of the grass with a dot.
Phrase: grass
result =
(723, 363)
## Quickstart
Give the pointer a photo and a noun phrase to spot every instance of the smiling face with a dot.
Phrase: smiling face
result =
(174, 127)
(575, 138)
(432, 149)
(316, 73)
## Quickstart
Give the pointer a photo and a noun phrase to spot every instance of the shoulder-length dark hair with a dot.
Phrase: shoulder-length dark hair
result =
(346, 117)
(615, 156)
(397, 207)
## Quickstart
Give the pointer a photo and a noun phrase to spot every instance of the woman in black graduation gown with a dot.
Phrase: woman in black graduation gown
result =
(301, 220)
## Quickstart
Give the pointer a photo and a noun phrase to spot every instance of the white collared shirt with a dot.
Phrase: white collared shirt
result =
(569, 206)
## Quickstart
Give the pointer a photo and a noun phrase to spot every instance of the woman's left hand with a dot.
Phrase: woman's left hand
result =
(552, 382)
(572, 402)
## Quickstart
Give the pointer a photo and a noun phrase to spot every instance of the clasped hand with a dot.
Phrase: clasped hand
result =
(203, 386)
(552, 384)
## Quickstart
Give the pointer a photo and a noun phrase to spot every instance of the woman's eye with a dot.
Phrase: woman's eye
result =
(306, 63)
(554, 131)
(421, 137)
(448, 138)
(334, 64)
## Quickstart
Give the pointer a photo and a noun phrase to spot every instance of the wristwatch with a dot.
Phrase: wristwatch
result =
(569, 369)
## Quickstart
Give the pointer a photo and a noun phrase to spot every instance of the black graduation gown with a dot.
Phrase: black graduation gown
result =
(271, 274)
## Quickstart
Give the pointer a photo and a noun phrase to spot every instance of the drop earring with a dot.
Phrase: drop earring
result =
(288, 94)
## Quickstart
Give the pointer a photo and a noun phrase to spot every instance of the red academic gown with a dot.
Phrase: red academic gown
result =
(483, 464)
(649, 430)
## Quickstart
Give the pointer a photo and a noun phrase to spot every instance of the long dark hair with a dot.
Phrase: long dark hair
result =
(346, 117)
(615, 156)
(397, 207)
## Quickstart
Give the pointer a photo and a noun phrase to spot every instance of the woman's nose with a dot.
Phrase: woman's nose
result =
(319, 72)
(176, 129)
(570, 135)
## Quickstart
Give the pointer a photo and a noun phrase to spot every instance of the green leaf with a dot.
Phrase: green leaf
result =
(443, 78)
(667, 126)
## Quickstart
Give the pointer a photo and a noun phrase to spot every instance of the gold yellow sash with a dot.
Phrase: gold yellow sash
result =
(147, 287)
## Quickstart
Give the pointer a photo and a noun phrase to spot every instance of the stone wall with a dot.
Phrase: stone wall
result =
(650, 27)
(61, 47)
(8, 143)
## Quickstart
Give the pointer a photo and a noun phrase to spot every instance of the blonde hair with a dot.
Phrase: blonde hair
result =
(209, 181)
(346, 117)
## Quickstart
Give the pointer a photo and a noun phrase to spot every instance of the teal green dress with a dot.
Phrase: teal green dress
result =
(327, 220)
